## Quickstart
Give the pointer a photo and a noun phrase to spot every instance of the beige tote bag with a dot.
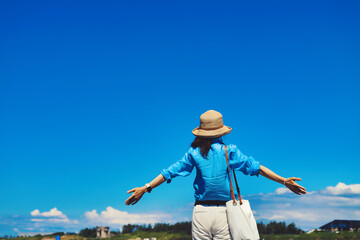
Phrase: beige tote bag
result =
(241, 220)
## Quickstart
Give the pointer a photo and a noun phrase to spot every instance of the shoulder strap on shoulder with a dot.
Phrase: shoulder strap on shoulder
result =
(231, 186)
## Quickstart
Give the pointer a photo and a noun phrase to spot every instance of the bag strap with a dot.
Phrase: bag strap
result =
(231, 186)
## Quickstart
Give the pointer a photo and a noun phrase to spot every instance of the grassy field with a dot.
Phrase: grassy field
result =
(315, 236)
(179, 236)
(158, 235)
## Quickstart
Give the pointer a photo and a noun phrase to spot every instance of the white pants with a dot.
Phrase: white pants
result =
(210, 223)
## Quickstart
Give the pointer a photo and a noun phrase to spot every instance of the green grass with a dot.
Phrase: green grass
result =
(158, 235)
(315, 236)
(137, 234)
(182, 236)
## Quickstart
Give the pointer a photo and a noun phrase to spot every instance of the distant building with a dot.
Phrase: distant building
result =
(103, 232)
(342, 225)
(314, 230)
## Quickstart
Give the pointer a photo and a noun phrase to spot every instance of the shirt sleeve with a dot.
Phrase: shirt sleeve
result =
(182, 168)
(241, 162)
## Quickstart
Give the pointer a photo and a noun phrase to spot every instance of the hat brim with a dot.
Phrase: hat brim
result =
(211, 133)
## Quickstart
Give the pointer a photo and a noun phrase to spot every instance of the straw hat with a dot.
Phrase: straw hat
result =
(211, 125)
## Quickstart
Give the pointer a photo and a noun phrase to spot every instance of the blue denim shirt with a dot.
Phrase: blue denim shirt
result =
(212, 179)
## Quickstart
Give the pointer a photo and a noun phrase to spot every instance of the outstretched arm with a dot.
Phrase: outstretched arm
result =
(138, 192)
(288, 182)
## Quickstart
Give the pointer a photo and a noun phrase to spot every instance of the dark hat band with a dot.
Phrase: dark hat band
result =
(211, 128)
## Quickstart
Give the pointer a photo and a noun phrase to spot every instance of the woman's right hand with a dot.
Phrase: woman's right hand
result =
(136, 196)
(293, 186)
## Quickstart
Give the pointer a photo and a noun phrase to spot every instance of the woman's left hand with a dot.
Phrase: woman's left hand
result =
(136, 196)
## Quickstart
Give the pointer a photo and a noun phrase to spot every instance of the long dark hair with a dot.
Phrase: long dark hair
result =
(204, 144)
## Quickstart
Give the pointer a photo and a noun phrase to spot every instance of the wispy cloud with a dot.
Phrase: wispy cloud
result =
(343, 189)
(52, 216)
(307, 211)
(52, 213)
(36, 222)
(55, 221)
(310, 210)
(112, 216)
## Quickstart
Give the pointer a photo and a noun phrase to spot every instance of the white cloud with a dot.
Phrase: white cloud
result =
(310, 210)
(282, 190)
(36, 212)
(112, 216)
(37, 220)
(54, 218)
(343, 189)
(52, 213)
(56, 221)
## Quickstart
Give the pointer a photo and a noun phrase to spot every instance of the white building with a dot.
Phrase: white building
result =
(103, 232)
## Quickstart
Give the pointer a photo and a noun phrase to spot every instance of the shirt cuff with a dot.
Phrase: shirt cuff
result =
(255, 169)
(166, 175)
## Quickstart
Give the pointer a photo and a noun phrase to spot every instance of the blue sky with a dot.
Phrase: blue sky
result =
(96, 97)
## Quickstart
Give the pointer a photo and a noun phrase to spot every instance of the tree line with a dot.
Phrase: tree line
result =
(278, 228)
(180, 227)
(185, 227)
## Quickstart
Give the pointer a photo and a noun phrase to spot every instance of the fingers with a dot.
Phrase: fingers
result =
(297, 189)
(300, 191)
(129, 201)
(294, 190)
(132, 190)
(301, 188)
(135, 197)
(136, 201)
(294, 187)
(133, 200)
(298, 186)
